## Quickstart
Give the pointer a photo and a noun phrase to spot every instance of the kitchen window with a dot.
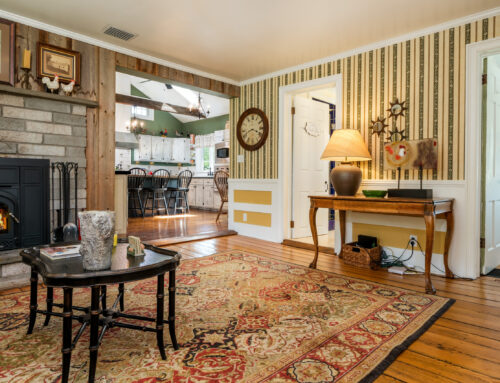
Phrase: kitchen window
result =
(143, 113)
(205, 153)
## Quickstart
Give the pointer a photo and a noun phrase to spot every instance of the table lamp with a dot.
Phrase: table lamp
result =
(346, 145)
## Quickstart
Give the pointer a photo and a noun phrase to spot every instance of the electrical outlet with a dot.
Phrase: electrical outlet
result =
(244, 217)
(413, 240)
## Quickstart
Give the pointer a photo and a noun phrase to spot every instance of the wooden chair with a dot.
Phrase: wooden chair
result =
(179, 193)
(159, 184)
(220, 179)
(135, 187)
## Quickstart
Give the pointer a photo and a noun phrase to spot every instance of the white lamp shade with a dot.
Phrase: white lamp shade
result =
(346, 145)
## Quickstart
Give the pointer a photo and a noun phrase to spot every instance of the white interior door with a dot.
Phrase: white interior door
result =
(310, 174)
(492, 173)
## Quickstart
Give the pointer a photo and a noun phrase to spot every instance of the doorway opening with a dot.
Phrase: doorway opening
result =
(490, 169)
(310, 113)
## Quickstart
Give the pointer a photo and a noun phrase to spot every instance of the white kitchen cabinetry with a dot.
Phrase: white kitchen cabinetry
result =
(157, 144)
(144, 152)
(203, 194)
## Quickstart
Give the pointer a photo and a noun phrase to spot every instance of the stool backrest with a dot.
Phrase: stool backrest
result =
(220, 179)
(136, 178)
(160, 179)
(184, 179)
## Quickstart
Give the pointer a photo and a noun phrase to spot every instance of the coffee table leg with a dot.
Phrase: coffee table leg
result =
(160, 294)
(171, 308)
(33, 299)
(49, 301)
(121, 291)
(94, 331)
(66, 348)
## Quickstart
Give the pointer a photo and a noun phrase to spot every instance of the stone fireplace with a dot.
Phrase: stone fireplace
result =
(43, 129)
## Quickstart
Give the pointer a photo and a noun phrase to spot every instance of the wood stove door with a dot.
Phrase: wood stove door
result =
(9, 222)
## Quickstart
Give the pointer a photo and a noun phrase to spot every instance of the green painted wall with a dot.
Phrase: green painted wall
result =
(207, 125)
(165, 120)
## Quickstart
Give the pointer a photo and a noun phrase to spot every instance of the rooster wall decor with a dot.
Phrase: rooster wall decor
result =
(68, 88)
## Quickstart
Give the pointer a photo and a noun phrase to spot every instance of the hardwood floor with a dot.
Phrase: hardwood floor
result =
(462, 346)
(182, 225)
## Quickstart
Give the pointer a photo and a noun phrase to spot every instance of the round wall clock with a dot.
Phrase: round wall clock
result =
(252, 129)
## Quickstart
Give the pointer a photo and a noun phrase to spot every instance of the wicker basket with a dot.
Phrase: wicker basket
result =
(359, 256)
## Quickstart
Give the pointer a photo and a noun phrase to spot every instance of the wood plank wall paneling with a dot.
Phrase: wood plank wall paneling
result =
(428, 72)
(177, 76)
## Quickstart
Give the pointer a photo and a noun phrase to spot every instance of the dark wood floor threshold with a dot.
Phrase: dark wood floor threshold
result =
(163, 242)
(308, 246)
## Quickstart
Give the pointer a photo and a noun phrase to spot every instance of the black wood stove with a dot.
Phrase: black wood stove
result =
(24, 203)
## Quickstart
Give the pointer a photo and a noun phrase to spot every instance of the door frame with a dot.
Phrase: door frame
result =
(286, 93)
(476, 52)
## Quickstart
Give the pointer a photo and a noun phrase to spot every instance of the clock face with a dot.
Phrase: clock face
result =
(252, 129)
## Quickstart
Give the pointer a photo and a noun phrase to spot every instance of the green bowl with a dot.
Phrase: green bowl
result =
(375, 193)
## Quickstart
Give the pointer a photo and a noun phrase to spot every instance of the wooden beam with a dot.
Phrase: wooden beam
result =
(156, 105)
(161, 72)
(101, 137)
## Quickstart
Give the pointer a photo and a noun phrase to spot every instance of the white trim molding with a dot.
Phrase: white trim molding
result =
(476, 52)
(113, 47)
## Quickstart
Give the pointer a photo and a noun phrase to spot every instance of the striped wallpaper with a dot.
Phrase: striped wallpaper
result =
(428, 72)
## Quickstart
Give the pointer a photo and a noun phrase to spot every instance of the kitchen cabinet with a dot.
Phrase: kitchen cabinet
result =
(144, 152)
(203, 194)
(163, 149)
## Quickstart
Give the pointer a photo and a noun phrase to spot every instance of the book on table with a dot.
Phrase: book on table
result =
(61, 252)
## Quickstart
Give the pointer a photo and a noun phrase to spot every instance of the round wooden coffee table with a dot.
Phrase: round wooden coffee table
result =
(69, 274)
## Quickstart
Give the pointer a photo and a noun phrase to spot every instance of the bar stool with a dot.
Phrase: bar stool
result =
(135, 187)
(159, 184)
(220, 179)
(179, 193)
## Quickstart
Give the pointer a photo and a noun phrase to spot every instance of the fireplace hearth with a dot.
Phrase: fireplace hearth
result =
(24, 203)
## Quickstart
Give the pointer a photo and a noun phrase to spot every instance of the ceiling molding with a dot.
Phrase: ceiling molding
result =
(377, 45)
(103, 44)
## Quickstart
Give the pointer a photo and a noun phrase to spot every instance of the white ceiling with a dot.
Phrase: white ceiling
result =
(157, 91)
(241, 39)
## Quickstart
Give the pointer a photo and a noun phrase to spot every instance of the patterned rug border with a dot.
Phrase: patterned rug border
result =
(396, 351)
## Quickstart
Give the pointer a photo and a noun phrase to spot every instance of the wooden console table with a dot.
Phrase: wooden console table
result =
(427, 208)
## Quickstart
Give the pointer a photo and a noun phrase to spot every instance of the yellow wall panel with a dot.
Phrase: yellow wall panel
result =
(253, 218)
(261, 197)
(393, 236)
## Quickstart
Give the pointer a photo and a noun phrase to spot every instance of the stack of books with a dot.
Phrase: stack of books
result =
(60, 252)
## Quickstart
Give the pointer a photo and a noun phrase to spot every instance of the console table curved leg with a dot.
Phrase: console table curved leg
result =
(33, 299)
(450, 225)
(171, 308)
(429, 242)
(342, 214)
(314, 232)
(94, 331)
(66, 343)
(49, 300)
(160, 293)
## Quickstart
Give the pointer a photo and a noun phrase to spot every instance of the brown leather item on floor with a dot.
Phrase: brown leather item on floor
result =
(360, 256)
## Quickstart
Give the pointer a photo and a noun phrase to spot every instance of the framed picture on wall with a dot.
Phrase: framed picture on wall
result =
(7, 55)
(54, 61)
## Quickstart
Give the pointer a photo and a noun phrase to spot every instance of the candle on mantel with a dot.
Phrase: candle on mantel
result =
(26, 59)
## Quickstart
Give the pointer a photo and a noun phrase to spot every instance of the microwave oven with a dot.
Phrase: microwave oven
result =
(222, 153)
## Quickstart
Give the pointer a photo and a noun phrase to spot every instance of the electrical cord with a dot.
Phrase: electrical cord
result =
(388, 262)
(437, 268)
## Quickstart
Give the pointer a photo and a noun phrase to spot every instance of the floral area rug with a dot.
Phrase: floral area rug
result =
(240, 318)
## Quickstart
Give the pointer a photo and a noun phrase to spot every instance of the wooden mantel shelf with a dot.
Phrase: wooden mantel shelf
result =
(49, 96)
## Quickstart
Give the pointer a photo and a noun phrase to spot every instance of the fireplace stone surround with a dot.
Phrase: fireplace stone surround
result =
(35, 127)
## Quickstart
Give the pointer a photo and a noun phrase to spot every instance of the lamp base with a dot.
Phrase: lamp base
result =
(346, 179)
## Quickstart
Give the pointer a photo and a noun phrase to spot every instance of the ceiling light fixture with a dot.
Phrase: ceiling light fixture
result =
(202, 110)
(135, 125)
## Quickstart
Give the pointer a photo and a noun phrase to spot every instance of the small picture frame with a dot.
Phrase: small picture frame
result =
(54, 61)
(7, 54)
